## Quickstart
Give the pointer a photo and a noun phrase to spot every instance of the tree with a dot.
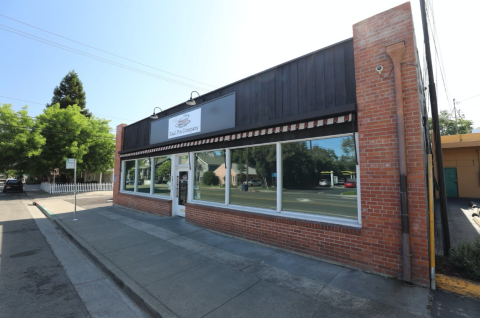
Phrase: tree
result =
(69, 134)
(70, 92)
(210, 178)
(448, 126)
(19, 139)
(101, 150)
(164, 170)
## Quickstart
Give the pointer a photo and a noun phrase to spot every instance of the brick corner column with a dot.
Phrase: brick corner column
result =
(378, 141)
(117, 164)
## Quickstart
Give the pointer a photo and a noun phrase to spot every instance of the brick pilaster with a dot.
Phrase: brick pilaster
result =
(378, 143)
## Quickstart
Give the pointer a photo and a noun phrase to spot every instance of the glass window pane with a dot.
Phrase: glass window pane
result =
(314, 175)
(209, 176)
(183, 160)
(163, 168)
(254, 177)
(129, 176)
(144, 175)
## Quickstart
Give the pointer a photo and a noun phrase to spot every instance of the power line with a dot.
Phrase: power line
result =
(22, 100)
(113, 54)
(438, 57)
(53, 131)
(468, 98)
(94, 57)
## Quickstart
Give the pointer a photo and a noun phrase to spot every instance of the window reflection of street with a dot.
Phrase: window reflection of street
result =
(319, 202)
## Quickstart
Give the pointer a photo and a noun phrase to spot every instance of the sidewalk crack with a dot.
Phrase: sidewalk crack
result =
(258, 281)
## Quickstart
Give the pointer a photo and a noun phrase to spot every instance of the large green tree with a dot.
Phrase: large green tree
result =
(69, 134)
(448, 126)
(19, 139)
(70, 92)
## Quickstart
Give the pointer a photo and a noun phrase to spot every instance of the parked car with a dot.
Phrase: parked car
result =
(324, 183)
(13, 185)
(254, 183)
(350, 183)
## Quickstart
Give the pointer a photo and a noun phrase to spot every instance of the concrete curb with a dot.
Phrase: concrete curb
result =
(45, 211)
(458, 285)
(139, 295)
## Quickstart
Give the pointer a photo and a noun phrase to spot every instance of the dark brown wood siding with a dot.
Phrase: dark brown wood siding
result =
(320, 81)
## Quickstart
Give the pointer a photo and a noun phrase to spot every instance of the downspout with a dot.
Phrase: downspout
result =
(395, 52)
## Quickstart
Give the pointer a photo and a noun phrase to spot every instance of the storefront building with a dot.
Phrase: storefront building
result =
(251, 159)
(461, 165)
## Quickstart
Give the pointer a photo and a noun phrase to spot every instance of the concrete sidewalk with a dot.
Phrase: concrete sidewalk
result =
(174, 269)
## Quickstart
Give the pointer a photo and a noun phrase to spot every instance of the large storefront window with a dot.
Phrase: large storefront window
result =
(254, 177)
(319, 177)
(144, 175)
(209, 176)
(162, 179)
(129, 176)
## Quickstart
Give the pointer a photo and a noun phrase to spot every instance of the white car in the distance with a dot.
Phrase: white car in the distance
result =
(324, 183)
(254, 183)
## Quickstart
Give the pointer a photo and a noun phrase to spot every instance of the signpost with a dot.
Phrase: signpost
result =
(72, 164)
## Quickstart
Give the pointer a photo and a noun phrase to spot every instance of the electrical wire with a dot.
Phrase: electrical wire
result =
(22, 100)
(113, 54)
(55, 132)
(437, 54)
(94, 57)
(468, 98)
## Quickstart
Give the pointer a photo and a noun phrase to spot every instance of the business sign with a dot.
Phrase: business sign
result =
(214, 115)
(70, 164)
(185, 124)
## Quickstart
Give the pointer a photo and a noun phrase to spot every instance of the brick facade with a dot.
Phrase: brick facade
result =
(377, 246)
(136, 202)
(145, 204)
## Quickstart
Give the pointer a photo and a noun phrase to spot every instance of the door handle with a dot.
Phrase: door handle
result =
(177, 186)
(456, 181)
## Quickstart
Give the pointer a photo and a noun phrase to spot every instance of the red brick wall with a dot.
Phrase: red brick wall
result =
(144, 204)
(377, 131)
(377, 246)
(117, 161)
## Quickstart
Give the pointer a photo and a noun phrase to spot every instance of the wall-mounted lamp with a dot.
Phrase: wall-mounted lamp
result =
(191, 102)
(154, 116)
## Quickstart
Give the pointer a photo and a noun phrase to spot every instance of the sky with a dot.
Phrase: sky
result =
(187, 46)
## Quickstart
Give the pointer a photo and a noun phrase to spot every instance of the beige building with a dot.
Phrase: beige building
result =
(238, 175)
(461, 155)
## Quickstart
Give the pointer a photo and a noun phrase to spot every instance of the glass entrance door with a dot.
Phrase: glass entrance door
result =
(181, 192)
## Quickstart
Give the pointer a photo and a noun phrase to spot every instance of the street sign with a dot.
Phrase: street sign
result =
(71, 163)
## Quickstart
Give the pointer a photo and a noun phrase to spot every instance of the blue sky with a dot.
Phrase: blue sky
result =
(212, 42)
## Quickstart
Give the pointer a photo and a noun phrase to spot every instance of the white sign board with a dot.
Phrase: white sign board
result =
(70, 163)
(185, 124)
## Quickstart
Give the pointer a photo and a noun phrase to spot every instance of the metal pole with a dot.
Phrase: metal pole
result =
(432, 222)
(75, 191)
(436, 133)
(455, 111)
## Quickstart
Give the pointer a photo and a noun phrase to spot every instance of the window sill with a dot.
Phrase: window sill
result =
(314, 221)
(145, 195)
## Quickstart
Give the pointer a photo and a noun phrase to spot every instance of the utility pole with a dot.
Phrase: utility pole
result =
(436, 133)
(455, 111)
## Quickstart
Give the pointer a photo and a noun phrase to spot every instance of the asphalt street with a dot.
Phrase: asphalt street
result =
(43, 274)
(32, 280)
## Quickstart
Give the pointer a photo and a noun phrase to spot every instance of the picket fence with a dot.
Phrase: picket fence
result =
(81, 187)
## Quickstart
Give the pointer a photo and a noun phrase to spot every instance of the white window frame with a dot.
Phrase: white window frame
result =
(190, 166)
(279, 211)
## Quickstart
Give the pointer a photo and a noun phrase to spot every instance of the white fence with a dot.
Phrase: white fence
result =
(81, 187)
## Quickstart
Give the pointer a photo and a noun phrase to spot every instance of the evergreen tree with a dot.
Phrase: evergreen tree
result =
(70, 92)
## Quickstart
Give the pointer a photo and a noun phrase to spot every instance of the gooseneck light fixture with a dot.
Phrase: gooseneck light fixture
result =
(192, 102)
(154, 116)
